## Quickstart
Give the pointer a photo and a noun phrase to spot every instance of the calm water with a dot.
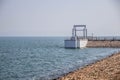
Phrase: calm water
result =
(43, 58)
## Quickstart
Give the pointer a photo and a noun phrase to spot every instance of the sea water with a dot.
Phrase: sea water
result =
(43, 58)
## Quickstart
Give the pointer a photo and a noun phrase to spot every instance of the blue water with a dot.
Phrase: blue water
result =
(43, 58)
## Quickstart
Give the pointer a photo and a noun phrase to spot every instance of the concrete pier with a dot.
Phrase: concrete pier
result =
(78, 43)
(111, 42)
(75, 41)
(90, 41)
(106, 43)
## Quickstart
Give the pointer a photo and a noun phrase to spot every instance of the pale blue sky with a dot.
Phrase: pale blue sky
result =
(57, 17)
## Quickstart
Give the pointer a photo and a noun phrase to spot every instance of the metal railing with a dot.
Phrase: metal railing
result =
(97, 38)
(103, 38)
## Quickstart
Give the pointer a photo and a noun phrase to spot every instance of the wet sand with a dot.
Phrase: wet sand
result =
(105, 69)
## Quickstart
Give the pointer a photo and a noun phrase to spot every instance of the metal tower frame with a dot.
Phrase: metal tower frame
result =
(84, 30)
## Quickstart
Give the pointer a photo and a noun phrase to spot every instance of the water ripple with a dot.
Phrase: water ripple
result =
(43, 58)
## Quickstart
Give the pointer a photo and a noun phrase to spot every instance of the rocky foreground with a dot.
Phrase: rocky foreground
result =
(106, 69)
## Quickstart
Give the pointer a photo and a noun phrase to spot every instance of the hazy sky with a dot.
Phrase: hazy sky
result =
(57, 17)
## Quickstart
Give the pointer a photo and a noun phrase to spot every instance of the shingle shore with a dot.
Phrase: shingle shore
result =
(105, 69)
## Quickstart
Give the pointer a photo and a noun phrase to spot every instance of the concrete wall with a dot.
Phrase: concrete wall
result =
(114, 44)
(82, 43)
(70, 43)
(76, 43)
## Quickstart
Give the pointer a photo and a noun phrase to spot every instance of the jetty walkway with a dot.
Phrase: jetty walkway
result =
(113, 42)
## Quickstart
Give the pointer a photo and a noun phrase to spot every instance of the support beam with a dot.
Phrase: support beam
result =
(84, 30)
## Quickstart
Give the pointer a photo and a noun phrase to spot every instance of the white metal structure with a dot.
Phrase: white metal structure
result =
(77, 41)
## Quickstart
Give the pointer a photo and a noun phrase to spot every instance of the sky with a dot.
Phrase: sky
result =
(57, 17)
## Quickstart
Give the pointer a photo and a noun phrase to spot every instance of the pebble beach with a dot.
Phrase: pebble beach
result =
(105, 69)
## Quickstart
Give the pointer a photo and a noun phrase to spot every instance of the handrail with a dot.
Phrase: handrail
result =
(104, 38)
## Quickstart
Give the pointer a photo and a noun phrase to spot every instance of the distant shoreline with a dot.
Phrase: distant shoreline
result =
(105, 69)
